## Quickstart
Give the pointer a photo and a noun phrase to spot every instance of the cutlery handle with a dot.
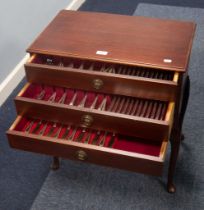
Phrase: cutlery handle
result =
(96, 137)
(71, 138)
(88, 137)
(102, 141)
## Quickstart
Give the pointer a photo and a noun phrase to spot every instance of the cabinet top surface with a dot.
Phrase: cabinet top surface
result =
(134, 40)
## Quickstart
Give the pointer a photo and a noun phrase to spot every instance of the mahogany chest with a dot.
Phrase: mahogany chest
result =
(106, 89)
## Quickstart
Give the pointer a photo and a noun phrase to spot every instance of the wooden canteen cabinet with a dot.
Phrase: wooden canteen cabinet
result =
(106, 89)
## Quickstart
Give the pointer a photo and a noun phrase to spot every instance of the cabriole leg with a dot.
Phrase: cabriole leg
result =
(184, 102)
(175, 144)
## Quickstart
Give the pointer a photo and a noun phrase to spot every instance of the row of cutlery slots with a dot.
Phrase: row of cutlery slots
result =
(104, 67)
(82, 135)
(146, 108)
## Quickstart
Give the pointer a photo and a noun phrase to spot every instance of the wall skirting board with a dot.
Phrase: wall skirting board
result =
(17, 74)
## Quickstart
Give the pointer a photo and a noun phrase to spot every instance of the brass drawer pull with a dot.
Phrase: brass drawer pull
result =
(97, 84)
(81, 155)
(87, 120)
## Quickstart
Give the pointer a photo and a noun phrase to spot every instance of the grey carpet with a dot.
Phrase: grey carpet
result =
(21, 173)
(78, 186)
(127, 7)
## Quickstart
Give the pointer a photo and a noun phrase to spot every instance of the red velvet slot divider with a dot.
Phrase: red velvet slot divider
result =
(34, 90)
(130, 106)
(121, 142)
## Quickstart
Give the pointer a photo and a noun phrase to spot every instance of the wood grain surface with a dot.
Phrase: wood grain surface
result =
(124, 39)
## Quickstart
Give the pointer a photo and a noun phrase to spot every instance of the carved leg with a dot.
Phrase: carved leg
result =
(175, 144)
(55, 164)
(184, 102)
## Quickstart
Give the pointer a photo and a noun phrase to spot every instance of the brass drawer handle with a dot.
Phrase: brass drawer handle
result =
(97, 84)
(87, 120)
(81, 155)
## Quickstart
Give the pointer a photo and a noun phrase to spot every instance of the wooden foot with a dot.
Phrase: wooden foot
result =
(55, 164)
(171, 188)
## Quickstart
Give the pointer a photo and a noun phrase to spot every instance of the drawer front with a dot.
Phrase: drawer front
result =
(157, 130)
(119, 114)
(150, 164)
(112, 83)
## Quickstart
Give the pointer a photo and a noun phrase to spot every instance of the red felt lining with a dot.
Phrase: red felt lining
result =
(122, 104)
(121, 142)
(34, 90)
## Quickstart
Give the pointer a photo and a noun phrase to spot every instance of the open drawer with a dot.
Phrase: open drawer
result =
(95, 146)
(112, 78)
(114, 113)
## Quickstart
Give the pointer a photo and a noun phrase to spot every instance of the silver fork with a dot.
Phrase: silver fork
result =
(66, 132)
(61, 101)
(51, 99)
(93, 105)
(102, 140)
(71, 137)
(82, 104)
(101, 108)
(109, 69)
(71, 103)
(83, 101)
(40, 96)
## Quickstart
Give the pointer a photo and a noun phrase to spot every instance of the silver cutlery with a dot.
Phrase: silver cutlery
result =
(66, 132)
(83, 101)
(51, 99)
(49, 61)
(40, 96)
(96, 137)
(61, 101)
(112, 140)
(93, 105)
(102, 140)
(71, 137)
(71, 103)
(102, 106)
(88, 137)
